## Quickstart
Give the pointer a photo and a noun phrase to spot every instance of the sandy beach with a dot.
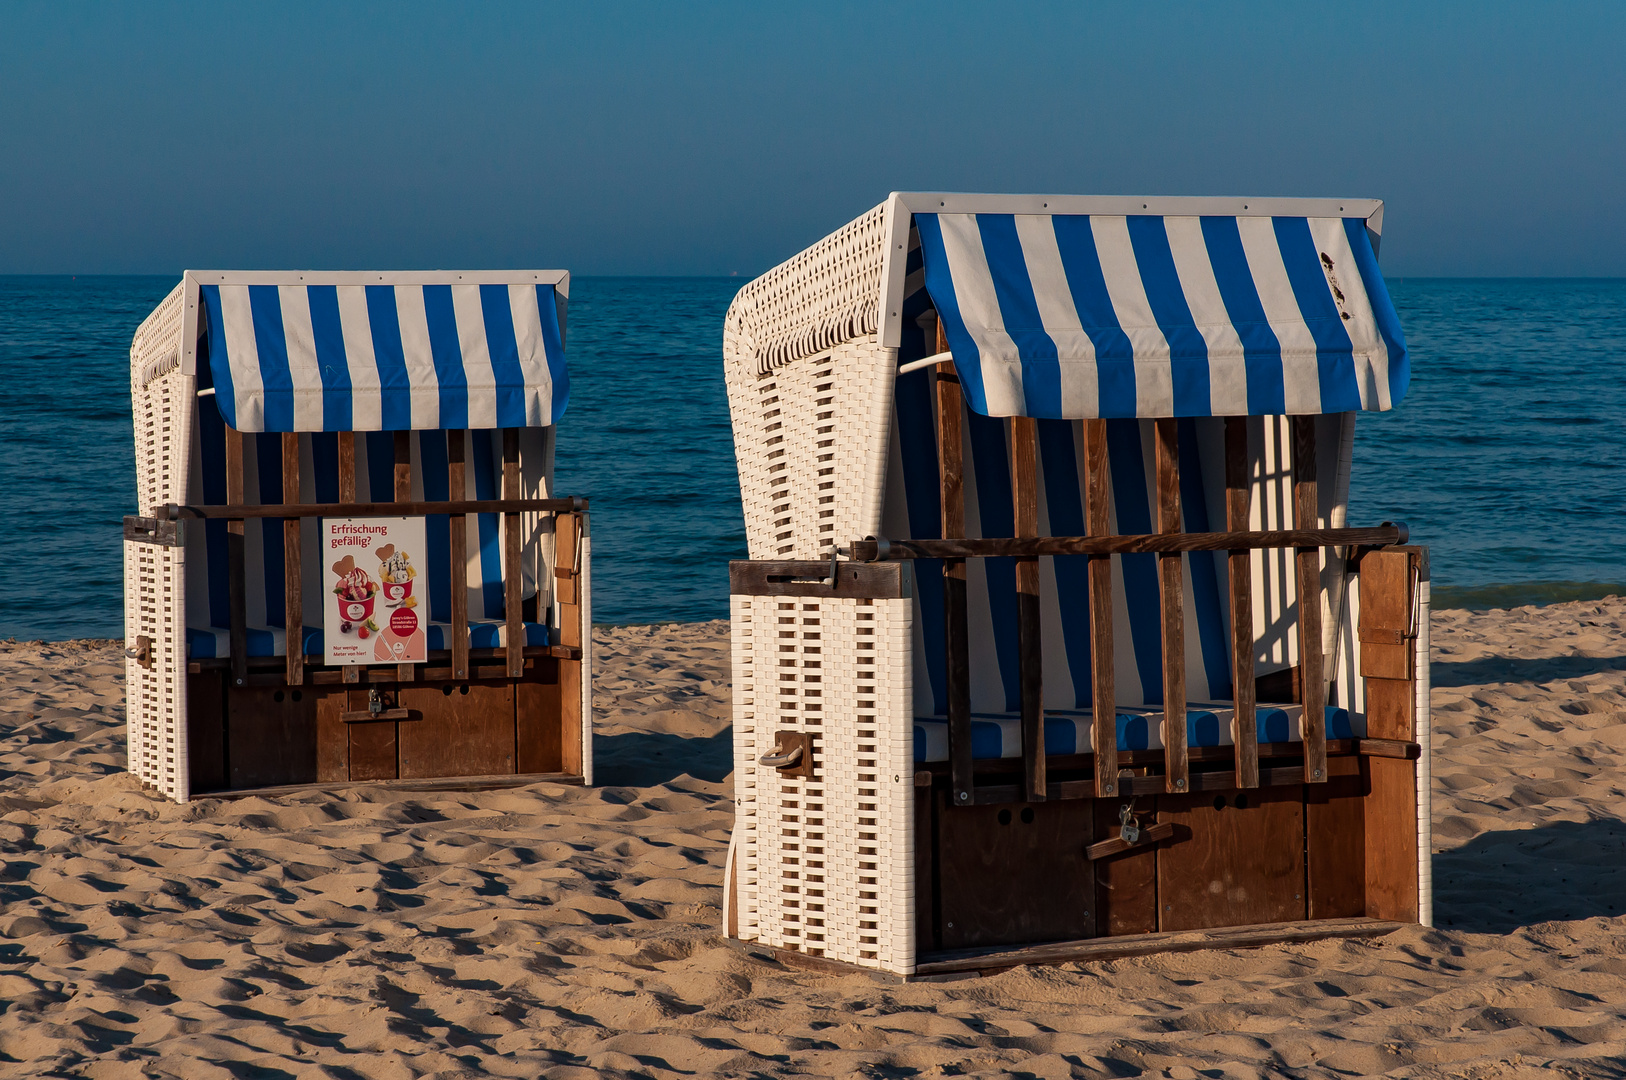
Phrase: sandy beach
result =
(559, 932)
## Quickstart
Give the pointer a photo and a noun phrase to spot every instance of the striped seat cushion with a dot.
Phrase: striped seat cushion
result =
(214, 643)
(999, 735)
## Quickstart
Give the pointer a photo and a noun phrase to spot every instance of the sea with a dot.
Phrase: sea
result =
(1507, 457)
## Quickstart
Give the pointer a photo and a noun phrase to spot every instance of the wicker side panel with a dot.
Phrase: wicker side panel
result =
(817, 299)
(743, 622)
(155, 697)
(811, 440)
(828, 862)
(161, 399)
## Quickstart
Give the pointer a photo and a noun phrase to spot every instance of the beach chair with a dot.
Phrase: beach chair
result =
(270, 405)
(1035, 491)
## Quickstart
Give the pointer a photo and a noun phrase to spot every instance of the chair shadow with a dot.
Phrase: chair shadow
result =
(648, 758)
(1502, 669)
(1501, 881)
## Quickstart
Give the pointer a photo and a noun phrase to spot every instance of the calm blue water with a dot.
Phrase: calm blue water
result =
(1508, 456)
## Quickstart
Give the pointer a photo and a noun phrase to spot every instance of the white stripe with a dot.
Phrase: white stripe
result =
(243, 357)
(366, 402)
(1080, 384)
(303, 367)
(420, 359)
(1154, 389)
(1227, 369)
(1058, 673)
(1371, 354)
(979, 310)
(1301, 379)
(471, 342)
(533, 354)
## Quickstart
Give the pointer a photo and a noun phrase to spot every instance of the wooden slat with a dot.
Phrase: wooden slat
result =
(403, 494)
(1238, 483)
(513, 581)
(1158, 543)
(772, 577)
(1098, 950)
(568, 531)
(347, 494)
(951, 472)
(1308, 560)
(1171, 590)
(1103, 692)
(457, 486)
(172, 512)
(293, 592)
(1025, 498)
(236, 586)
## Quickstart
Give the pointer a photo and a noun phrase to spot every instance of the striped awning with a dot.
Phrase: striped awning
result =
(1085, 316)
(386, 356)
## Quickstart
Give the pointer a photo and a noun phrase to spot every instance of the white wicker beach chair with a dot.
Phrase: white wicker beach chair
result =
(1131, 419)
(265, 402)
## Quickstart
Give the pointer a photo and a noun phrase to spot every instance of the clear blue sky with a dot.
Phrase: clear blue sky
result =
(621, 138)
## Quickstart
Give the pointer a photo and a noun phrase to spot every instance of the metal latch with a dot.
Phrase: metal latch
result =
(792, 754)
(142, 653)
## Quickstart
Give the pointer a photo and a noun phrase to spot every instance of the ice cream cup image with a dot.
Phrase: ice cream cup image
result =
(355, 591)
(396, 571)
(356, 610)
(396, 591)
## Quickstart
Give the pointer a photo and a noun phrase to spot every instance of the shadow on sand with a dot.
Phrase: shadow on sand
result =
(647, 758)
(1506, 669)
(1501, 881)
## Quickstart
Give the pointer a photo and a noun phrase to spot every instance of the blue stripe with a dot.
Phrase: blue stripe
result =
(1064, 501)
(395, 388)
(448, 356)
(940, 283)
(268, 467)
(271, 341)
(1019, 311)
(554, 343)
(432, 467)
(1188, 352)
(219, 364)
(212, 464)
(380, 468)
(1261, 349)
(1127, 462)
(998, 518)
(482, 455)
(328, 337)
(498, 315)
(917, 445)
(1383, 309)
(1335, 363)
(1203, 565)
(1114, 355)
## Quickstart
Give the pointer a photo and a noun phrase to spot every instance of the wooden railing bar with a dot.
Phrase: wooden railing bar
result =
(513, 580)
(1103, 691)
(1025, 500)
(1308, 559)
(956, 631)
(1171, 593)
(173, 512)
(403, 494)
(568, 530)
(994, 547)
(347, 495)
(1240, 566)
(236, 569)
(292, 565)
(457, 486)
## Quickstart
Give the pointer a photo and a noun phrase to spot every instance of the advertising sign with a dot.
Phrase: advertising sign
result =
(374, 614)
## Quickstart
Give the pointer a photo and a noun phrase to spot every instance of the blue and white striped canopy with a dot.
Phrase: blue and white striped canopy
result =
(1085, 316)
(386, 357)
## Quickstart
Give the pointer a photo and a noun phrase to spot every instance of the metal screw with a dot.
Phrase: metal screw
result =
(1318, 772)
(1180, 784)
(964, 795)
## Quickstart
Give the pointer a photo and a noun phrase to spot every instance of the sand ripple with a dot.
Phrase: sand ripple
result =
(573, 933)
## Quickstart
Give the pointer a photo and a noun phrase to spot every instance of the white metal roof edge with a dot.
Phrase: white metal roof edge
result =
(560, 279)
(902, 205)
